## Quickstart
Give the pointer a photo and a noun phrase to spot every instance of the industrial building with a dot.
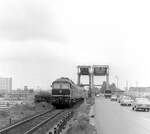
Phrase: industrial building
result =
(5, 84)
(139, 91)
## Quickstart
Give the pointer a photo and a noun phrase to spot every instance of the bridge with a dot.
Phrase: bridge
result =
(91, 71)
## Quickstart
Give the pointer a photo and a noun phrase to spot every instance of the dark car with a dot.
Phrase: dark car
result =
(113, 98)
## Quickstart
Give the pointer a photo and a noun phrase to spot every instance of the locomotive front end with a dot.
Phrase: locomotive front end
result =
(60, 93)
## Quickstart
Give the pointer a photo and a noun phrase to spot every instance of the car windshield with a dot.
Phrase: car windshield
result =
(142, 100)
(126, 97)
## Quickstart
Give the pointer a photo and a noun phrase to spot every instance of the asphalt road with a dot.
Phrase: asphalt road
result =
(111, 118)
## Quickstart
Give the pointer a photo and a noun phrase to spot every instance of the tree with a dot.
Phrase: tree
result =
(112, 87)
(103, 88)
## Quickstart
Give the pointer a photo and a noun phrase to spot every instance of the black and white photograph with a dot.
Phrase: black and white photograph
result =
(74, 67)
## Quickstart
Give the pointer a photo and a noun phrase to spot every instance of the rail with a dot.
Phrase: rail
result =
(5, 130)
(42, 123)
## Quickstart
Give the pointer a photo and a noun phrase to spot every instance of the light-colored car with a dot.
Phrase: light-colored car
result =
(113, 98)
(141, 104)
(126, 101)
(97, 95)
(119, 98)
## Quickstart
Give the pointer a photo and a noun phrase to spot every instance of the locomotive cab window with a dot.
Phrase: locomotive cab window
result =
(65, 86)
(56, 85)
(61, 86)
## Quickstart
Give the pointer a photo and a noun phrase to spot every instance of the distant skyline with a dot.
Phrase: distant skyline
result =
(42, 40)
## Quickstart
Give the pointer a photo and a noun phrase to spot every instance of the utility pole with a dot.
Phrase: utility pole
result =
(117, 78)
(136, 84)
(127, 85)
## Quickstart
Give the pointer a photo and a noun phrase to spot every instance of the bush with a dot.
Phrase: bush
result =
(81, 126)
(90, 101)
(4, 114)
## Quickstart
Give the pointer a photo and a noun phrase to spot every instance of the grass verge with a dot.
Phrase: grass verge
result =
(80, 123)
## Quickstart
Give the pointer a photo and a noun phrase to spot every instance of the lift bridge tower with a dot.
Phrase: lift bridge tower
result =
(91, 71)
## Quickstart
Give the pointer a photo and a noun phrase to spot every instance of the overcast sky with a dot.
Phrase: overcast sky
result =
(41, 40)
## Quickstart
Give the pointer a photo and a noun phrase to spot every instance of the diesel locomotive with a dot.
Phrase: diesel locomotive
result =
(65, 92)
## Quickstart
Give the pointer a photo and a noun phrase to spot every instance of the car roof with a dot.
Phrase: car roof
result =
(141, 98)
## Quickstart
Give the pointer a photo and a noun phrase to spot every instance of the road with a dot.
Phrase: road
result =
(111, 118)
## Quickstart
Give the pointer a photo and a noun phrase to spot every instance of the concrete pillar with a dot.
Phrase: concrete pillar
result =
(107, 79)
(79, 77)
(92, 81)
(90, 85)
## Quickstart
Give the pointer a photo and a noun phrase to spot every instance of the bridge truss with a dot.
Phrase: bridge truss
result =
(91, 71)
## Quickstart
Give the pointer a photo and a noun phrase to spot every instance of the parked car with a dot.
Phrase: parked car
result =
(126, 100)
(141, 104)
(97, 95)
(119, 98)
(108, 94)
(113, 98)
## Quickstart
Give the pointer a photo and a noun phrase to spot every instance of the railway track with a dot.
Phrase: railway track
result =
(29, 125)
(39, 123)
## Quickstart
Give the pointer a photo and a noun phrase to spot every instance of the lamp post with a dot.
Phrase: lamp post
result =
(138, 90)
(117, 78)
(126, 85)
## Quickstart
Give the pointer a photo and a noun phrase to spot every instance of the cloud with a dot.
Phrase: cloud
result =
(29, 20)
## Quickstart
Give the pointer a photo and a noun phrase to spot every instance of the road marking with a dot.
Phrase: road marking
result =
(142, 122)
(145, 119)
